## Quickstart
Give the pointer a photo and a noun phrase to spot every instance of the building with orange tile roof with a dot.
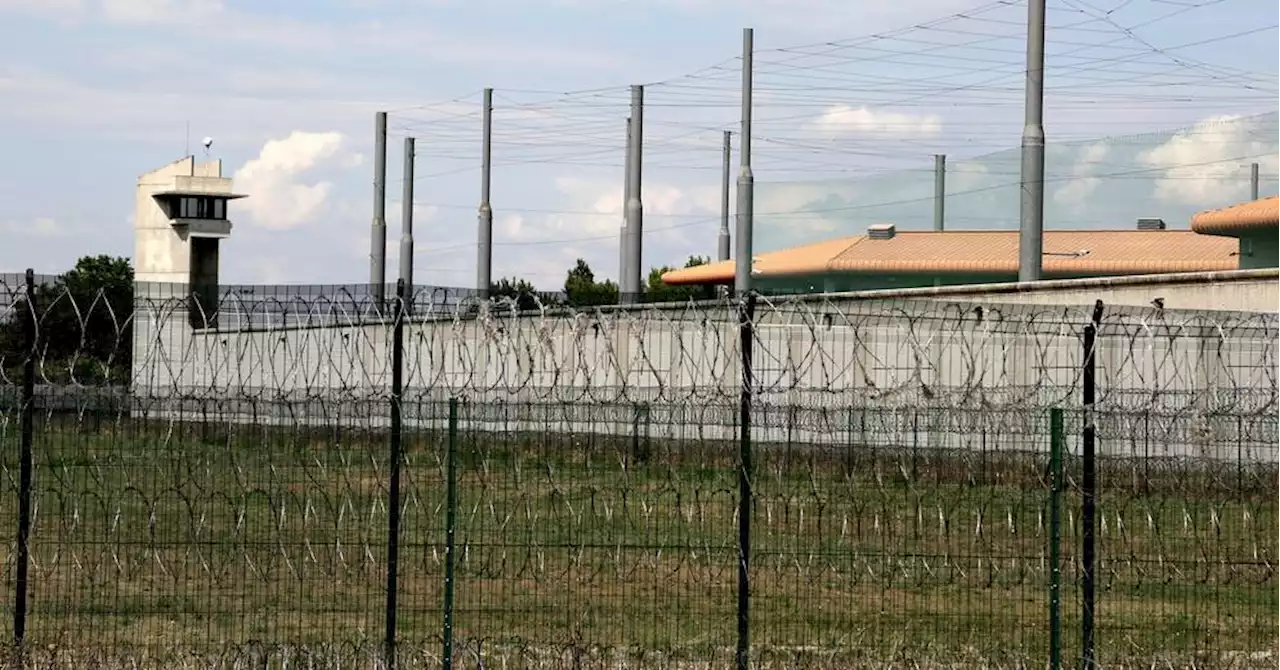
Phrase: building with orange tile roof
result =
(887, 258)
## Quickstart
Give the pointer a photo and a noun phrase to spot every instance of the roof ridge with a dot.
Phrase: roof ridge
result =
(857, 239)
(1010, 231)
(1234, 219)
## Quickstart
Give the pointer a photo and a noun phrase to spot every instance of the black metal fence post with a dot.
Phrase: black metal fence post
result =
(27, 408)
(393, 485)
(451, 525)
(640, 447)
(1088, 487)
(746, 327)
(1239, 457)
(1056, 440)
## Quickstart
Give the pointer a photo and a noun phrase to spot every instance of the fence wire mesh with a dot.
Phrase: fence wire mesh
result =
(216, 486)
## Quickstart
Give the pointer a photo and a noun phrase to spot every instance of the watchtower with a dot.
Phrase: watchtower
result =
(180, 216)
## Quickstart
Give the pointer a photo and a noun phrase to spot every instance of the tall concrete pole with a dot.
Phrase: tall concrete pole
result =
(635, 205)
(746, 180)
(406, 224)
(726, 183)
(1031, 215)
(623, 272)
(378, 236)
(484, 241)
(1253, 181)
(939, 191)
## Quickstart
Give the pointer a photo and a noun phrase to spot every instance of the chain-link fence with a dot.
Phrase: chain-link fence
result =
(799, 482)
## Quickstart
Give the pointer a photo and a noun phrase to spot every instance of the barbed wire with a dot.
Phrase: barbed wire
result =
(213, 481)
(300, 343)
(216, 494)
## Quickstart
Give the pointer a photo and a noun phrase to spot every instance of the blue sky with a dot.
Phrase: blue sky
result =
(853, 100)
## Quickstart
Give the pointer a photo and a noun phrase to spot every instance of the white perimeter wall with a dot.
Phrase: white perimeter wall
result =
(823, 357)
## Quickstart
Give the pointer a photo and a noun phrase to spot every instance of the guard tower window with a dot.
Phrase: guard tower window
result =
(201, 207)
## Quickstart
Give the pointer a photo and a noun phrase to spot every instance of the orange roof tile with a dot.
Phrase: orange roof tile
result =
(1230, 221)
(809, 259)
(1093, 252)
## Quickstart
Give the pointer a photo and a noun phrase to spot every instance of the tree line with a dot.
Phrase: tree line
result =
(84, 316)
(581, 289)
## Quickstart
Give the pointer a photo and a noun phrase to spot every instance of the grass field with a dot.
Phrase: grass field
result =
(155, 537)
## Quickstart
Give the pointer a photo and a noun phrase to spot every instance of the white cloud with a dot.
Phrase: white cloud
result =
(594, 207)
(44, 243)
(1203, 165)
(420, 38)
(168, 12)
(278, 196)
(966, 176)
(1081, 184)
(48, 99)
(62, 11)
(509, 226)
(793, 16)
(849, 120)
(541, 246)
(41, 227)
(781, 216)
(51, 7)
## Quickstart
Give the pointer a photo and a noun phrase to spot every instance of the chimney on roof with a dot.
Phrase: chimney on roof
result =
(1150, 224)
(881, 231)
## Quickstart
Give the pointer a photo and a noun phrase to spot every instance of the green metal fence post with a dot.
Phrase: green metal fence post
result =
(1055, 539)
(451, 527)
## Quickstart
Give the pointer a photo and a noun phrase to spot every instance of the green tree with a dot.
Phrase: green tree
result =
(15, 322)
(521, 291)
(84, 320)
(659, 291)
(582, 290)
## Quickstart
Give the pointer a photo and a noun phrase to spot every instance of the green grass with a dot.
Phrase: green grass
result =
(209, 536)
